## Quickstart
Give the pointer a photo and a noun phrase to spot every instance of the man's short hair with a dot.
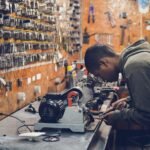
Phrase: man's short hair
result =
(94, 54)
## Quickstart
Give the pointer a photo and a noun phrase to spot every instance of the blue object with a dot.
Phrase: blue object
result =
(144, 5)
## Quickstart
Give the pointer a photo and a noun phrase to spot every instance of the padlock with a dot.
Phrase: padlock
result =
(1, 33)
(1, 49)
(26, 24)
(7, 35)
(16, 35)
(12, 22)
(6, 20)
(19, 23)
(2, 5)
(8, 48)
(20, 47)
(28, 36)
(1, 19)
(35, 46)
(33, 36)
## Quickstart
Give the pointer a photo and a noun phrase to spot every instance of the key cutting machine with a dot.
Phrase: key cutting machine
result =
(64, 111)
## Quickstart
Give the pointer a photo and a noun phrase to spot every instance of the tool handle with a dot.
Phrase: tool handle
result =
(122, 36)
(111, 19)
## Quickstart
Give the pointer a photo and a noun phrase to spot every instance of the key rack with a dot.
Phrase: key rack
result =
(31, 29)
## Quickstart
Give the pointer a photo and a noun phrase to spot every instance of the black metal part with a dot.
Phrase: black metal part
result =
(31, 109)
(99, 97)
(53, 105)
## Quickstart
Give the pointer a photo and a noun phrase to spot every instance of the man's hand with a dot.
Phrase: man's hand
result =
(119, 104)
(111, 117)
(112, 113)
(108, 118)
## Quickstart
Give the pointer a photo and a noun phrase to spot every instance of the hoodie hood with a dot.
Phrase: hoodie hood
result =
(137, 47)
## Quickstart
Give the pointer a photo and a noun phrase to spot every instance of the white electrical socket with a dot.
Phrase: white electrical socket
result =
(38, 76)
(2, 81)
(37, 89)
(21, 96)
(28, 80)
(33, 78)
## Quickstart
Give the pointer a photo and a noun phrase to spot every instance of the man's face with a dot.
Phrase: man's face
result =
(107, 70)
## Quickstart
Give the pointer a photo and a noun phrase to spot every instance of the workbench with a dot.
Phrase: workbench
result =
(94, 140)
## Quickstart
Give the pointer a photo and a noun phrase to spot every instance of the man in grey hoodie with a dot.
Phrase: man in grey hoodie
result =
(134, 64)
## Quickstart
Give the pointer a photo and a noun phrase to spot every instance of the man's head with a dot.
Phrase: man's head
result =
(102, 61)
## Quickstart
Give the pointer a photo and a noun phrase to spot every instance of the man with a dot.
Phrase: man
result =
(134, 64)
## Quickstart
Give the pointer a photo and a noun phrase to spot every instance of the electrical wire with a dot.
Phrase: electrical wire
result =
(6, 115)
(24, 125)
(22, 121)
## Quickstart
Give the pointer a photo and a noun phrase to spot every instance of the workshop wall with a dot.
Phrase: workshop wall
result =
(122, 13)
(30, 59)
(37, 37)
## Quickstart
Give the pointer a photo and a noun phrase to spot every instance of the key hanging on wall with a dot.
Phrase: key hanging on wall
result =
(91, 13)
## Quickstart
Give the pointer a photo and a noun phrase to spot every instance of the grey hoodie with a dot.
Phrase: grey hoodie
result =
(135, 67)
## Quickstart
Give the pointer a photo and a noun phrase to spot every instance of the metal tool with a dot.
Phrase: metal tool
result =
(110, 19)
(123, 27)
(55, 112)
(129, 22)
(72, 119)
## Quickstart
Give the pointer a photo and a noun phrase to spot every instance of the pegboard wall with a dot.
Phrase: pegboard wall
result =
(111, 19)
(37, 38)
